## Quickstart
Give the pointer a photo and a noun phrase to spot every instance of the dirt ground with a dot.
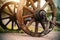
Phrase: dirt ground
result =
(23, 36)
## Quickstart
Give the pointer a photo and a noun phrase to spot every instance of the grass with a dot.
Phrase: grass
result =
(56, 29)
(21, 31)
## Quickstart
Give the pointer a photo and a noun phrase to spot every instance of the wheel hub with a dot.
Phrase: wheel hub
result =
(13, 18)
(40, 15)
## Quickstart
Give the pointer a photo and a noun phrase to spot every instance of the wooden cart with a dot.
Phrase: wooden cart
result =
(29, 16)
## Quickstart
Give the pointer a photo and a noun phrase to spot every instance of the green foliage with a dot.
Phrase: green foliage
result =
(5, 31)
(58, 13)
(56, 29)
(2, 30)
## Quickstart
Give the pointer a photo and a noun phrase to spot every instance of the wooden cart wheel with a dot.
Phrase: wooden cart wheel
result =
(36, 15)
(8, 16)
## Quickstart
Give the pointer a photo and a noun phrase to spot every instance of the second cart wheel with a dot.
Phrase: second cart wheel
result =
(8, 16)
(38, 15)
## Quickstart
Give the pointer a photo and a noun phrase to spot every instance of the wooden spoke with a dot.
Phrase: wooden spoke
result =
(7, 13)
(38, 4)
(32, 2)
(16, 23)
(14, 8)
(44, 6)
(10, 9)
(30, 22)
(47, 26)
(12, 25)
(43, 26)
(25, 7)
(8, 22)
(27, 16)
(36, 27)
(5, 18)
